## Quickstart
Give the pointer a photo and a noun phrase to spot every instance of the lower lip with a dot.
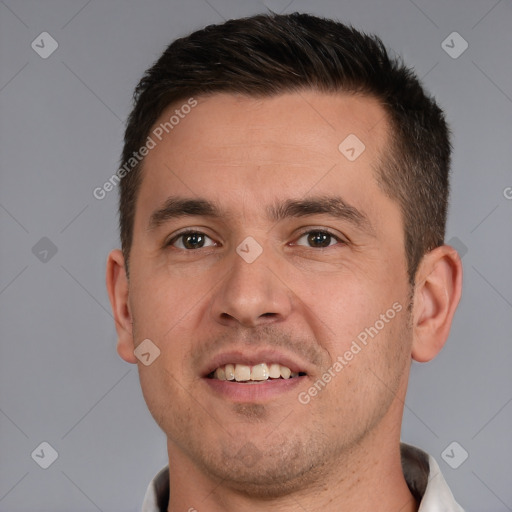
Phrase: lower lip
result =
(240, 392)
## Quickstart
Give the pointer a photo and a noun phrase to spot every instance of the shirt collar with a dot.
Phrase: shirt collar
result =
(421, 472)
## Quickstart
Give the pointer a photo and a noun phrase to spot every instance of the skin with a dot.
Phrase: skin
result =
(339, 452)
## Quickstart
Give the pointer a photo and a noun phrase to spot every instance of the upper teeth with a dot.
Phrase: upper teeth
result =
(262, 371)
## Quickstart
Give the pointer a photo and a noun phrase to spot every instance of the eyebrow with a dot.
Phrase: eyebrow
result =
(176, 207)
(334, 206)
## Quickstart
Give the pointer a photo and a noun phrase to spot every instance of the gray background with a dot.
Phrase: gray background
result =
(61, 127)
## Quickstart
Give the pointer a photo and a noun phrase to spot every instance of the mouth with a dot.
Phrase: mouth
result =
(253, 374)
(257, 376)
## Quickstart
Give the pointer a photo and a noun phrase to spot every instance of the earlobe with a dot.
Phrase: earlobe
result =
(437, 293)
(117, 287)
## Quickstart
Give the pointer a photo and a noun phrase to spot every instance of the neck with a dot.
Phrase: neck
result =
(369, 476)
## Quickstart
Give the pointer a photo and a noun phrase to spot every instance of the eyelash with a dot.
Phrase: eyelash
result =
(325, 232)
(171, 241)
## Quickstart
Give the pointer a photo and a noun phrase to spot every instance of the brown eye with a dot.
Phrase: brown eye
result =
(319, 239)
(191, 240)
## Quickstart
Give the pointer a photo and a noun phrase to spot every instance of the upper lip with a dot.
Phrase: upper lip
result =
(254, 357)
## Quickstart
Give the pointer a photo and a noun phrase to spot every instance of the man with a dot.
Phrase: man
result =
(282, 213)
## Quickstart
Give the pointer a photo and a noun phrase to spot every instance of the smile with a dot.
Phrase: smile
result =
(257, 373)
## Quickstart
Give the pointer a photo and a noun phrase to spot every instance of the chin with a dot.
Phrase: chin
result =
(269, 472)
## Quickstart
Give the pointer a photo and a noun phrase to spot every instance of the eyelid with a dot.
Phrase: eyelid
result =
(338, 237)
(169, 241)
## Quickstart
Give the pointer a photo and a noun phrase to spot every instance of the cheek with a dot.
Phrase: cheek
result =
(367, 377)
(164, 313)
(344, 304)
(165, 395)
(363, 326)
(162, 304)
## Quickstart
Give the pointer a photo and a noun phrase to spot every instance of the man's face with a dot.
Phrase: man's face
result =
(270, 167)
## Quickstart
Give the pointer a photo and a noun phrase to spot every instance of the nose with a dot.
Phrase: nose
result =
(252, 294)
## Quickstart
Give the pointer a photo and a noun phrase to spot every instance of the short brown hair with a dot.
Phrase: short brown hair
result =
(269, 54)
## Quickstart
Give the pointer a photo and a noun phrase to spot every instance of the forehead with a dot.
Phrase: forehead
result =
(230, 147)
(315, 121)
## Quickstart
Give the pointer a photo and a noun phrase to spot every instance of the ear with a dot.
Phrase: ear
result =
(117, 286)
(438, 288)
